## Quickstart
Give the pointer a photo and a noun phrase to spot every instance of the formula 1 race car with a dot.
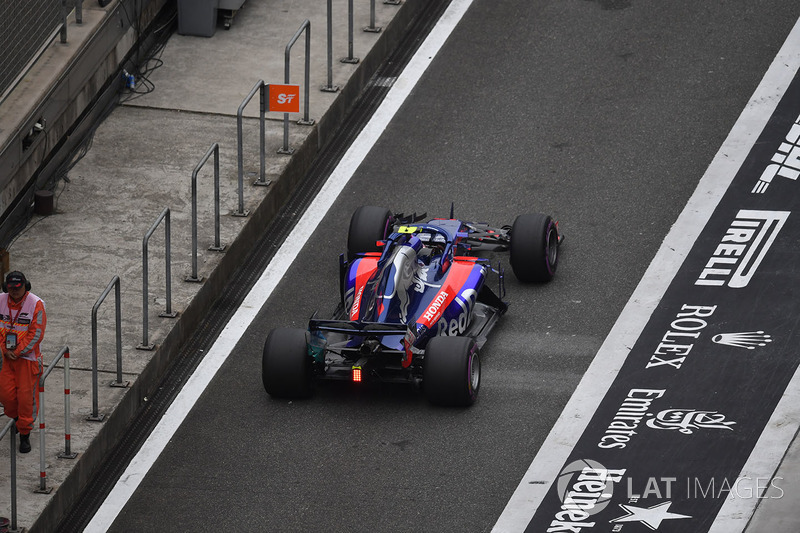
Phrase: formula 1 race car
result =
(414, 305)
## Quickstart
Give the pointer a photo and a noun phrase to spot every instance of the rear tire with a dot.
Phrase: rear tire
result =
(286, 367)
(534, 248)
(368, 225)
(452, 372)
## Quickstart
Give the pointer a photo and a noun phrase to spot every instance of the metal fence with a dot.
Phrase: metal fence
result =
(26, 28)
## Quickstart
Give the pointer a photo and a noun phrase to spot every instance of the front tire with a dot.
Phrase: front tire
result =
(368, 225)
(534, 248)
(286, 367)
(452, 371)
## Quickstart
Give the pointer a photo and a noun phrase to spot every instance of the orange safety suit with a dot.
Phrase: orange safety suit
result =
(19, 377)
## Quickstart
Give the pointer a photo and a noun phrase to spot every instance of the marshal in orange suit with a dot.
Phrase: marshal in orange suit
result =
(22, 324)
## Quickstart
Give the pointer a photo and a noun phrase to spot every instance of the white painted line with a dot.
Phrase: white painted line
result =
(283, 259)
(752, 483)
(612, 354)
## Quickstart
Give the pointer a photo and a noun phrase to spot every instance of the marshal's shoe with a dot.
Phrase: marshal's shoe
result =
(24, 443)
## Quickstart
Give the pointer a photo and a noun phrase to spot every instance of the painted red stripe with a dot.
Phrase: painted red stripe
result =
(457, 276)
(366, 267)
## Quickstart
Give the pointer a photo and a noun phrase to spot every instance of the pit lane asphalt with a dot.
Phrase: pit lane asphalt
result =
(605, 118)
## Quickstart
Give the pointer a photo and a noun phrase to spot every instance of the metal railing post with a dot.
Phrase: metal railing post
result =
(371, 28)
(168, 256)
(42, 470)
(350, 58)
(330, 87)
(218, 247)
(11, 429)
(79, 11)
(262, 105)
(67, 453)
(261, 89)
(13, 440)
(305, 121)
(115, 283)
(63, 21)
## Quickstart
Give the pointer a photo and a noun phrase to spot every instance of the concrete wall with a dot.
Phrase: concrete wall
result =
(62, 93)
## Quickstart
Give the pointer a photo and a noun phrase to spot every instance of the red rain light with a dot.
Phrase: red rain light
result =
(356, 374)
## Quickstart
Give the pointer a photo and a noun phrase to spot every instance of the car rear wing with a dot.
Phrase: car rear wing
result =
(355, 327)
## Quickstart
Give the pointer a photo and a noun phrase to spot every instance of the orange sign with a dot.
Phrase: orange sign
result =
(283, 98)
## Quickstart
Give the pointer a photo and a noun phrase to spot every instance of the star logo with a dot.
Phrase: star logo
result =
(649, 516)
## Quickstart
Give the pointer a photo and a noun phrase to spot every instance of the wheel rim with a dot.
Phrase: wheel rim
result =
(474, 372)
(552, 249)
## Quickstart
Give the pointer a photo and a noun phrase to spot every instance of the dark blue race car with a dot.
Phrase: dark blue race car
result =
(415, 306)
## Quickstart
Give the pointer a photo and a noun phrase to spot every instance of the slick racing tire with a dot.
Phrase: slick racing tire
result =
(534, 248)
(452, 371)
(368, 225)
(286, 367)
